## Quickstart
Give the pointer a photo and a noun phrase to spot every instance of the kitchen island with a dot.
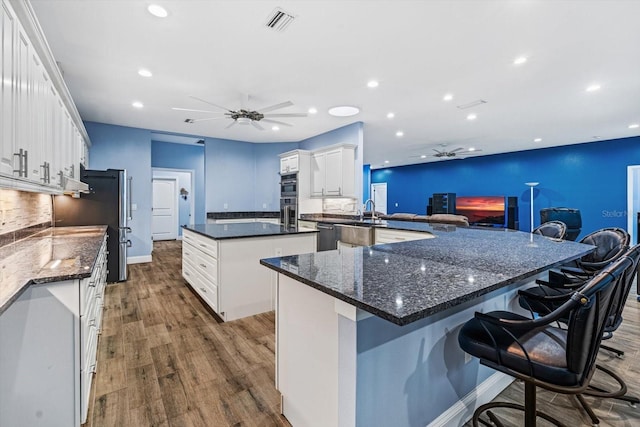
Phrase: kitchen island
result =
(367, 336)
(221, 263)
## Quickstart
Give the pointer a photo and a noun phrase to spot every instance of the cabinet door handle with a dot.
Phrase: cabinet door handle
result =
(203, 290)
(186, 273)
(203, 245)
(203, 265)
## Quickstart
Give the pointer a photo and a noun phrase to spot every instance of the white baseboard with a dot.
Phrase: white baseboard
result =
(138, 259)
(462, 410)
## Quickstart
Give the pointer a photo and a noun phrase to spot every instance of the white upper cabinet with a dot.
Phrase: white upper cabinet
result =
(289, 163)
(333, 172)
(7, 91)
(40, 136)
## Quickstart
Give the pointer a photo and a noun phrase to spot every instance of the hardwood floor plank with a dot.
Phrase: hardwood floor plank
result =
(164, 359)
(111, 409)
(143, 387)
(112, 375)
(173, 394)
(151, 414)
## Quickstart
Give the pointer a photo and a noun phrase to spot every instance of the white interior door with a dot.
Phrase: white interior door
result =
(164, 223)
(379, 196)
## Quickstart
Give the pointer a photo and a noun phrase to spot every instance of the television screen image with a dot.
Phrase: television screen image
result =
(482, 209)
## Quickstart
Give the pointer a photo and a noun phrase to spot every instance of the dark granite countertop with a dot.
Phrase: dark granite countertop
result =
(243, 230)
(33, 260)
(240, 215)
(405, 282)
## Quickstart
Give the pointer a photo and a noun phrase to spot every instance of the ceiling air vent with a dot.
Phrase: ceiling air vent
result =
(472, 104)
(279, 20)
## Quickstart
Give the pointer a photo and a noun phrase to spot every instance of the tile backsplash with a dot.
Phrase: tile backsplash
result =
(23, 212)
(340, 206)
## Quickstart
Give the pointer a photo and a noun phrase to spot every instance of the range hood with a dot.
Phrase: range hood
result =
(73, 187)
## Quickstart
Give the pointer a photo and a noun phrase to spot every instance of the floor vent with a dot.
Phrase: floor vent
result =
(279, 20)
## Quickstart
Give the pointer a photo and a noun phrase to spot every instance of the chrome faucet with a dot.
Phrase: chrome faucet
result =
(373, 208)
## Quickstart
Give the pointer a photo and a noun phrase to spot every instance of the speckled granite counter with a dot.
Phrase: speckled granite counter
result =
(241, 215)
(34, 259)
(243, 230)
(405, 282)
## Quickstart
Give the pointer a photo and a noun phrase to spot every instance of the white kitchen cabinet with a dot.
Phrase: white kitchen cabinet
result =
(227, 273)
(289, 163)
(49, 339)
(385, 235)
(39, 137)
(7, 90)
(333, 172)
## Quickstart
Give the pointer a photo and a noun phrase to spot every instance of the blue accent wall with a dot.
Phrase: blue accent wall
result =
(119, 147)
(366, 182)
(591, 177)
(183, 156)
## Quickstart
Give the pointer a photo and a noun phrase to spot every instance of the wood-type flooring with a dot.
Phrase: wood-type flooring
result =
(163, 360)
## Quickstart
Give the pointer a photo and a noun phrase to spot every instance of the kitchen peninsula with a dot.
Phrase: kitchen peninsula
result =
(221, 263)
(367, 336)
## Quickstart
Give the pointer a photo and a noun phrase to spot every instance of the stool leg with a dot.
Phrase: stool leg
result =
(594, 419)
(529, 404)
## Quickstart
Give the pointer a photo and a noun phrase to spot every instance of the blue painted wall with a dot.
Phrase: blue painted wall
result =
(119, 147)
(242, 175)
(591, 177)
(366, 182)
(182, 156)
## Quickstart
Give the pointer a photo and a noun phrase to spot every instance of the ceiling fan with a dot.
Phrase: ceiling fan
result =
(244, 115)
(456, 152)
(459, 152)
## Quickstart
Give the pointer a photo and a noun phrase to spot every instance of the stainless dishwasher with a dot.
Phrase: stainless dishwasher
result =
(327, 238)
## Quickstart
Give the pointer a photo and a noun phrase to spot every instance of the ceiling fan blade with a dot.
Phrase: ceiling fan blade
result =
(276, 122)
(208, 118)
(210, 103)
(230, 124)
(275, 107)
(256, 125)
(286, 115)
(457, 149)
(195, 111)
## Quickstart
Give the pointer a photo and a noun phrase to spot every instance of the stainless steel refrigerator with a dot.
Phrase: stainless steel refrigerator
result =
(107, 203)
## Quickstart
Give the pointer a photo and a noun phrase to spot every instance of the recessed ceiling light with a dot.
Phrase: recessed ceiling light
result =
(372, 83)
(594, 87)
(399, 133)
(537, 140)
(596, 137)
(157, 10)
(144, 73)
(634, 126)
(312, 110)
(275, 128)
(344, 111)
(390, 115)
(423, 156)
(472, 117)
(447, 97)
(137, 104)
(520, 60)
(386, 161)
(472, 149)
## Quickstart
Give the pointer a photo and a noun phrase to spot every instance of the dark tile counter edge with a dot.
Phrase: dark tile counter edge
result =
(186, 227)
(241, 215)
(410, 318)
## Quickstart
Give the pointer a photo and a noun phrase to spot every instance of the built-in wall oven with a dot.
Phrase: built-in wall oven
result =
(289, 185)
(289, 212)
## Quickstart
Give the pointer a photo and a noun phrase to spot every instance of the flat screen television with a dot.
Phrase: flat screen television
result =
(482, 210)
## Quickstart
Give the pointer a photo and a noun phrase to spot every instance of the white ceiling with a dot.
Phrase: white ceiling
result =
(417, 50)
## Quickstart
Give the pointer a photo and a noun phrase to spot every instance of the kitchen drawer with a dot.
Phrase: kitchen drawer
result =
(206, 265)
(395, 236)
(205, 244)
(205, 288)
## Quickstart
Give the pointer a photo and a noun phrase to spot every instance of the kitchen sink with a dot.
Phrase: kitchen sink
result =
(355, 235)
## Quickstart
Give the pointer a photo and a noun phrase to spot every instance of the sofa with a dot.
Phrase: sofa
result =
(458, 220)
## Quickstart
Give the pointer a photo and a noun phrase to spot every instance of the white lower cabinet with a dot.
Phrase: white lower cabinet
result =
(385, 235)
(49, 337)
(227, 273)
